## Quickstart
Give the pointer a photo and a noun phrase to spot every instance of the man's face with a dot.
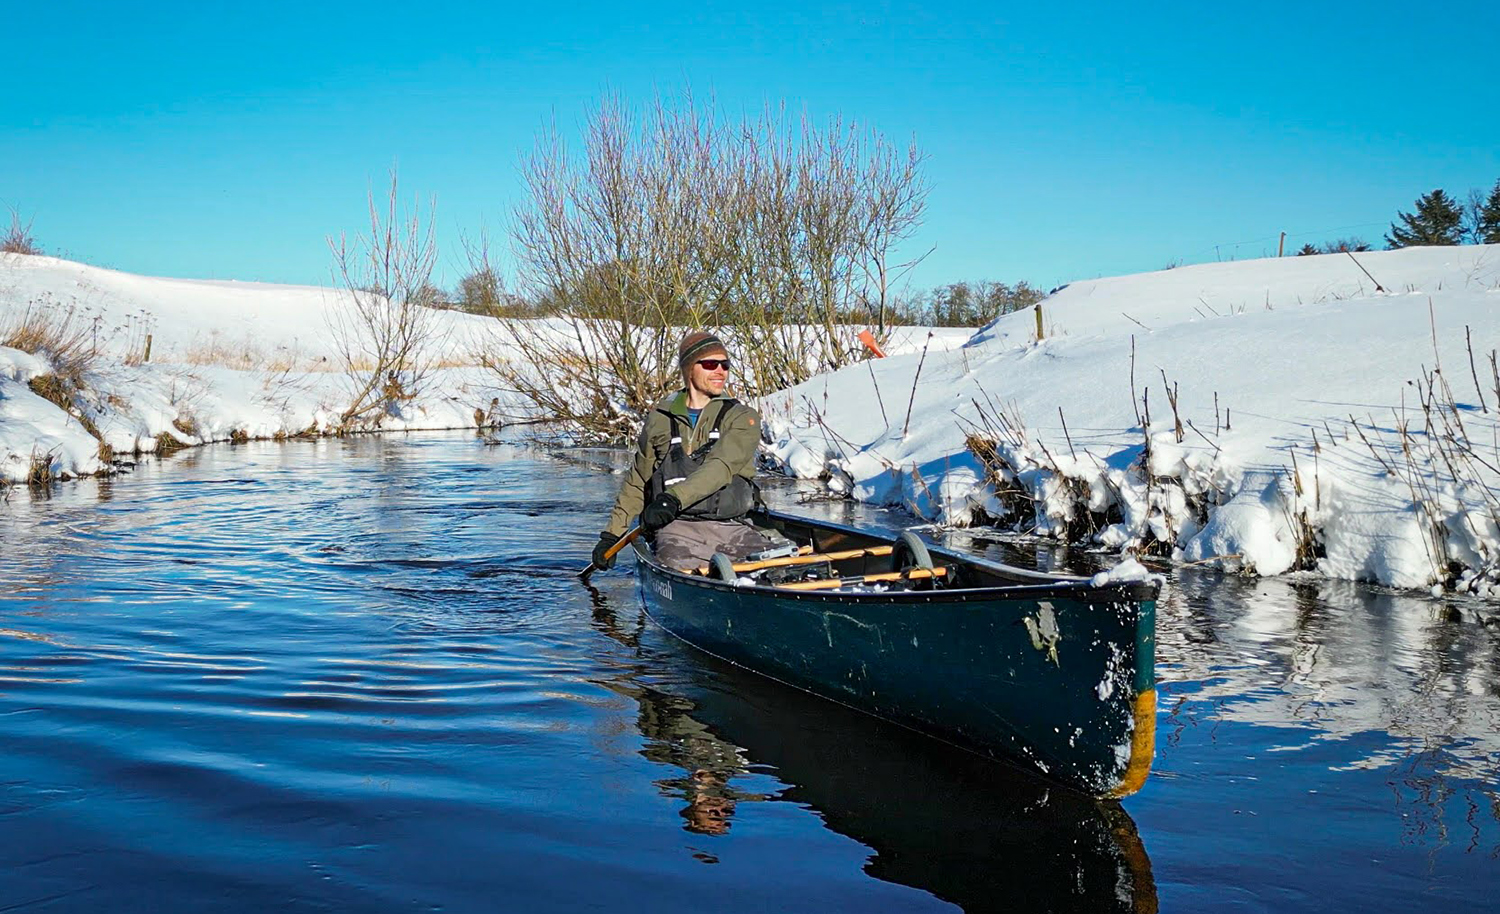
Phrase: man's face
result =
(709, 380)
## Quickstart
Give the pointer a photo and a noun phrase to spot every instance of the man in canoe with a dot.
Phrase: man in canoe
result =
(692, 481)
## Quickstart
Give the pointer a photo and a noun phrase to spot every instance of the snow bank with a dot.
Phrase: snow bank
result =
(233, 360)
(227, 361)
(1262, 415)
(135, 409)
(36, 436)
(1298, 437)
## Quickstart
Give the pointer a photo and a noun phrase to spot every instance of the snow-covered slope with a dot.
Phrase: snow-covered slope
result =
(226, 360)
(1293, 378)
(190, 320)
(1298, 438)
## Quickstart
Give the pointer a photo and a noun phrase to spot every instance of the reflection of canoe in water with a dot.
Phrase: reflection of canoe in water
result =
(948, 822)
(1048, 671)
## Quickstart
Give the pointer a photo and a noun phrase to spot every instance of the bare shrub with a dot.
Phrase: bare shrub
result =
(480, 292)
(56, 332)
(388, 335)
(772, 230)
(18, 238)
(812, 217)
(1450, 468)
(39, 472)
(1336, 246)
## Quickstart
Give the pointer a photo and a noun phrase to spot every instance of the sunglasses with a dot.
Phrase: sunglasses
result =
(714, 364)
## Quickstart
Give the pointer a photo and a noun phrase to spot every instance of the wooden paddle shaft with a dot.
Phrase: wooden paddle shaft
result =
(832, 583)
(625, 540)
(611, 552)
(805, 558)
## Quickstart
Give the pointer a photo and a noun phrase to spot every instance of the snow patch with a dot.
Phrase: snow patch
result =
(1129, 571)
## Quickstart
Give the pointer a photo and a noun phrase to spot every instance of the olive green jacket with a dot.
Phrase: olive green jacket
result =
(734, 455)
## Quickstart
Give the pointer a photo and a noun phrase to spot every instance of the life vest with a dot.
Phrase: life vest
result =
(732, 501)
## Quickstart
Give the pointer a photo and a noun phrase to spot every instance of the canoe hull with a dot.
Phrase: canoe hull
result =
(1054, 677)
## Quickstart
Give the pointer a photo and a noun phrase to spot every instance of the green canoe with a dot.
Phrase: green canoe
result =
(1050, 672)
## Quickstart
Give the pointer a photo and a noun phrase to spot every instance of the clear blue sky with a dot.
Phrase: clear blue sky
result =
(181, 139)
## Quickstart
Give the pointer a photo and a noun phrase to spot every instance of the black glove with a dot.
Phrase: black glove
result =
(662, 511)
(606, 540)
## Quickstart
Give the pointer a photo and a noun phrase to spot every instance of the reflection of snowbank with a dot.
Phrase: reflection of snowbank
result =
(1282, 371)
(1347, 663)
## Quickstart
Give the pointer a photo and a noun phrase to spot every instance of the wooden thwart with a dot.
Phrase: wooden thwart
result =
(831, 583)
(805, 556)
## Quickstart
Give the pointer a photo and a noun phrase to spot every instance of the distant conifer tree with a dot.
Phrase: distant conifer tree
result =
(1438, 220)
(1488, 228)
(1307, 250)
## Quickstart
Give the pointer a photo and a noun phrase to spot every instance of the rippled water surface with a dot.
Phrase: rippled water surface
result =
(362, 676)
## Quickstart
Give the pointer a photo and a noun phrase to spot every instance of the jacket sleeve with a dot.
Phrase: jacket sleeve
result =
(632, 497)
(734, 455)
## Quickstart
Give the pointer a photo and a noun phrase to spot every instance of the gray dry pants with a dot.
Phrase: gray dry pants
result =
(688, 542)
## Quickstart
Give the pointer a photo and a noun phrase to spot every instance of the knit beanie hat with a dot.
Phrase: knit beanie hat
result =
(694, 345)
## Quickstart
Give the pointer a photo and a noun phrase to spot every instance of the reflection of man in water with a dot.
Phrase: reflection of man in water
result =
(710, 805)
(709, 762)
(675, 738)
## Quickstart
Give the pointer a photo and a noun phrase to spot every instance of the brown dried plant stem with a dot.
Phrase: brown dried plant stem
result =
(906, 426)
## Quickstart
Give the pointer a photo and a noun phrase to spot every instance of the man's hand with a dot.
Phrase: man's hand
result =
(662, 511)
(606, 540)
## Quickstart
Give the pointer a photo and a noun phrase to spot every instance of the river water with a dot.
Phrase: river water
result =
(361, 675)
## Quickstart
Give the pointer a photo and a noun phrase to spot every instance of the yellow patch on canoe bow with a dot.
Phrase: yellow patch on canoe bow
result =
(1142, 745)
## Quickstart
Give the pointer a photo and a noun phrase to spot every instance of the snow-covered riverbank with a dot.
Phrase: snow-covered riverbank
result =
(184, 362)
(1298, 439)
(1293, 379)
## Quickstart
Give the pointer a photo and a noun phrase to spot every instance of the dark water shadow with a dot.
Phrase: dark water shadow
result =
(972, 832)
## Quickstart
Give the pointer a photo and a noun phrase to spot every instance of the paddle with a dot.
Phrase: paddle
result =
(611, 552)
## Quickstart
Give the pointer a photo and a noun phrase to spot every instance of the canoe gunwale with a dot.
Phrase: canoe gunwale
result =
(1112, 593)
(1047, 584)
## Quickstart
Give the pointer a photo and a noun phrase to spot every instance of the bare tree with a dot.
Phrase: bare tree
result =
(1476, 227)
(772, 229)
(387, 335)
(483, 289)
(818, 213)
